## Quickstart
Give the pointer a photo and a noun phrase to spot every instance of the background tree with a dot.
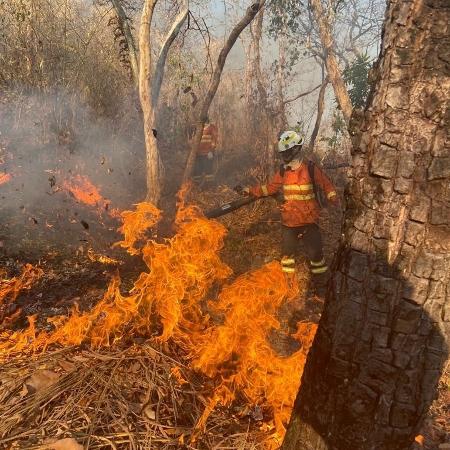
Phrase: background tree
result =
(334, 73)
(376, 359)
(149, 83)
(214, 84)
(331, 33)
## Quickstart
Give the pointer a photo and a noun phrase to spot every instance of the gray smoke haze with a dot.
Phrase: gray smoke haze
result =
(47, 140)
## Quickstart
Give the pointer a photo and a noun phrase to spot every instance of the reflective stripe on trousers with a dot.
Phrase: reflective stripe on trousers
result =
(288, 264)
(318, 267)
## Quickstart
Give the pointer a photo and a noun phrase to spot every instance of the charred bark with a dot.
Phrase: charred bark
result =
(214, 84)
(128, 46)
(372, 372)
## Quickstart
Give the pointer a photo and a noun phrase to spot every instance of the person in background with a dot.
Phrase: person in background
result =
(204, 162)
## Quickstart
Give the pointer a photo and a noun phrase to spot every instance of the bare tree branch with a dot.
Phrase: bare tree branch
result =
(330, 60)
(320, 108)
(303, 94)
(171, 35)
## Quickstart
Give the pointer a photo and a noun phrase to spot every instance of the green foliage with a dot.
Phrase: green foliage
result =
(355, 77)
(284, 17)
(338, 126)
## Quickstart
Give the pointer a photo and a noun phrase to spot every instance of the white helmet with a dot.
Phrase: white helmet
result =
(290, 139)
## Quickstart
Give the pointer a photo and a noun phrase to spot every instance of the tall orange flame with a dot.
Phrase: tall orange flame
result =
(169, 299)
(238, 352)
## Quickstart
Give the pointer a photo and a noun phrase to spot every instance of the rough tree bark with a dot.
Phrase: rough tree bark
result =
(373, 368)
(214, 84)
(145, 94)
(320, 108)
(333, 70)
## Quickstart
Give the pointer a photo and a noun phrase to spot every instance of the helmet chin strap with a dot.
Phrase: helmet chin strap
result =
(289, 157)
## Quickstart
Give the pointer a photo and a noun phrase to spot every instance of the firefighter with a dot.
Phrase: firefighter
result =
(298, 180)
(204, 162)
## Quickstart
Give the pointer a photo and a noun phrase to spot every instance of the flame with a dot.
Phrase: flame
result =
(85, 192)
(168, 301)
(4, 177)
(136, 223)
(238, 352)
(181, 271)
(176, 372)
(10, 289)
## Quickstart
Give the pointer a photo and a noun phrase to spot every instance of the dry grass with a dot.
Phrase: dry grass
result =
(117, 398)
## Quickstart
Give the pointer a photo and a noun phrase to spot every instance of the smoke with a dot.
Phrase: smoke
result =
(47, 141)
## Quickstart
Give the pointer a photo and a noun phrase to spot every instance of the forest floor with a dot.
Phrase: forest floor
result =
(138, 391)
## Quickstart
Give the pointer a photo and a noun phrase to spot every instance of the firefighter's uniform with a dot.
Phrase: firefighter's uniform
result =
(204, 163)
(299, 212)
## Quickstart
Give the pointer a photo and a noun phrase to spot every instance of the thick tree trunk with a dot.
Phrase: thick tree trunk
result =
(372, 371)
(145, 93)
(334, 73)
(320, 108)
(214, 84)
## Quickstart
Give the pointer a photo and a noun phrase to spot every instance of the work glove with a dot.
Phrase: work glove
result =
(334, 201)
(241, 190)
(210, 155)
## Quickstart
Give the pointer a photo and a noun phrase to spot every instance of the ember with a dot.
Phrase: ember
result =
(4, 177)
(102, 258)
(82, 189)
